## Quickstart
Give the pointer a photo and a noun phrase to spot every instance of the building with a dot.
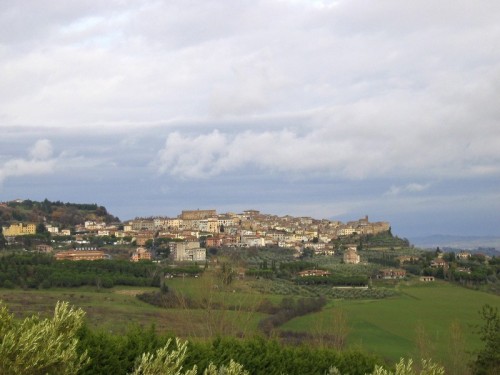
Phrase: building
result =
(44, 248)
(346, 231)
(198, 214)
(19, 229)
(391, 273)
(141, 253)
(314, 273)
(463, 255)
(427, 278)
(143, 225)
(80, 255)
(439, 263)
(253, 241)
(351, 256)
(187, 251)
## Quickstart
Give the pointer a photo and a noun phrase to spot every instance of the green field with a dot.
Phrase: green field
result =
(387, 327)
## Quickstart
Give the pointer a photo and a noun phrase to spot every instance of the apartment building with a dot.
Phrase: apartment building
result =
(187, 251)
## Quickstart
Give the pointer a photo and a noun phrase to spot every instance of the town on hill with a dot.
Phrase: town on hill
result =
(189, 234)
(70, 231)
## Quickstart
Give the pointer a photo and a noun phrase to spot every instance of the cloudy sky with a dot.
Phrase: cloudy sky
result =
(329, 109)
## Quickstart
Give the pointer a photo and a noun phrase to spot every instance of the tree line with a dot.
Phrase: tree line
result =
(43, 271)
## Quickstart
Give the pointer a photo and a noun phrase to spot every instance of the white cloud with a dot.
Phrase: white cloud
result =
(344, 143)
(39, 163)
(409, 188)
(42, 150)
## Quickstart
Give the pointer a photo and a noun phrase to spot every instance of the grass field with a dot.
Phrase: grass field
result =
(387, 327)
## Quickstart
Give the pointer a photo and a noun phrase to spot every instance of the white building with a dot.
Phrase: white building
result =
(187, 251)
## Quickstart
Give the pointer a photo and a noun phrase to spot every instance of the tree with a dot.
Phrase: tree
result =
(41, 346)
(3, 241)
(164, 361)
(226, 274)
(406, 368)
(41, 229)
(170, 362)
(488, 358)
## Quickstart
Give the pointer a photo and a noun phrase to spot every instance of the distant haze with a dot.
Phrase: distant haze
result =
(329, 109)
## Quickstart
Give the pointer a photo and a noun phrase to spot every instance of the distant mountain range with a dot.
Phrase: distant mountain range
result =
(481, 243)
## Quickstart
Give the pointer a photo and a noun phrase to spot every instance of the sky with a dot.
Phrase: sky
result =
(328, 109)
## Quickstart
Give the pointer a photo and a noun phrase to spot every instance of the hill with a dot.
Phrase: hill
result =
(481, 243)
(63, 214)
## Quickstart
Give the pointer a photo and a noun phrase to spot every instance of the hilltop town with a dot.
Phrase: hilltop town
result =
(193, 231)
(75, 232)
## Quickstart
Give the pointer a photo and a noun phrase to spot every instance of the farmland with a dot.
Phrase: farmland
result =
(416, 319)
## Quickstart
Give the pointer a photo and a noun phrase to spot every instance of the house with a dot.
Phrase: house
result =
(463, 255)
(44, 248)
(141, 253)
(80, 255)
(439, 263)
(427, 278)
(391, 273)
(253, 241)
(351, 256)
(313, 273)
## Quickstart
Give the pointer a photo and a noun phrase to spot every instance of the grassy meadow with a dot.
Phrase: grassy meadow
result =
(416, 322)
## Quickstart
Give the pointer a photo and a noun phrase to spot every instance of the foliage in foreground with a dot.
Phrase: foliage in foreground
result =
(41, 346)
(168, 361)
(406, 368)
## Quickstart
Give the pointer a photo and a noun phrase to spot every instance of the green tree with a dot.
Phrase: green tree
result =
(226, 274)
(41, 346)
(406, 368)
(170, 362)
(488, 358)
(41, 229)
(3, 241)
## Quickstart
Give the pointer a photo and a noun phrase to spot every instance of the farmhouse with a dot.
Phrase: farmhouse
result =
(351, 256)
(391, 273)
(313, 273)
(80, 255)
(427, 278)
(439, 263)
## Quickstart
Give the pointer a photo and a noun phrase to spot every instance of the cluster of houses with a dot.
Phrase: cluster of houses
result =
(247, 229)
(250, 228)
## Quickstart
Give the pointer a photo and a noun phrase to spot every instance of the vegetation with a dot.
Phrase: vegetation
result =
(64, 214)
(41, 346)
(487, 361)
(43, 271)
